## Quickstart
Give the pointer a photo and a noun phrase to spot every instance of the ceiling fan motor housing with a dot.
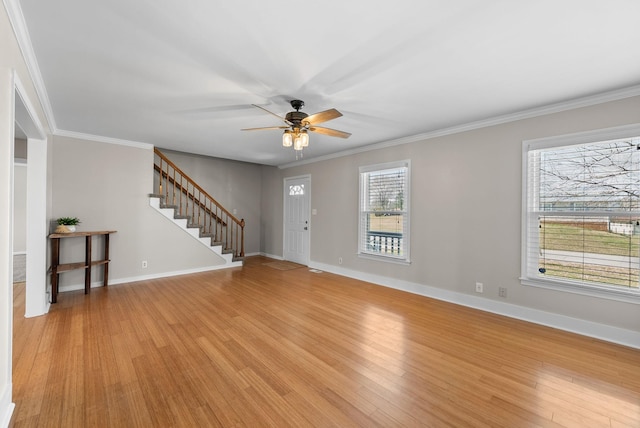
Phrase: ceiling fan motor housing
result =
(299, 123)
(296, 117)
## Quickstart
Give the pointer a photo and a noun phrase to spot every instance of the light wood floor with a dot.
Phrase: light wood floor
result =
(257, 346)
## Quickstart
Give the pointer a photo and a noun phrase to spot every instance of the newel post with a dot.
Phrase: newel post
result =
(242, 238)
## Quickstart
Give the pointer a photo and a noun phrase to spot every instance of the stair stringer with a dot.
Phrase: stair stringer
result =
(194, 232)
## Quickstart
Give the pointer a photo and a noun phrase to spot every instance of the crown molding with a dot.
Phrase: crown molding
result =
(587, 101)
(16, 18)
(101, 139)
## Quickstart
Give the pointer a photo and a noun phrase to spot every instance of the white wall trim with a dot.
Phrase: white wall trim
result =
(25, 116)
(98, 284)
(272, 256)
(25, 113)
(588, 101)
(6, 406)
(19, 253)
(16, 17)
(7, 120)
(36, 297)
(101, 139)
(586, 328)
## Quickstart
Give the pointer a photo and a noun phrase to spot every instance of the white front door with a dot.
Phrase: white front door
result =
(297, 200)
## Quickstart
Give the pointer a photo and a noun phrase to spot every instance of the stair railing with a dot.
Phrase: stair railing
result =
(194, 203)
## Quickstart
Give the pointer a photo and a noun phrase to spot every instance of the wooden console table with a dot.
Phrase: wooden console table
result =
(57, 268)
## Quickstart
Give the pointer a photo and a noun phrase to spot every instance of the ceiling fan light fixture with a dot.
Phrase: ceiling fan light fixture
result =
(298, 124)
(287, 139)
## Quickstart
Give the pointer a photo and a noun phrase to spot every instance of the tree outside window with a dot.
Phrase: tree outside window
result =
(583, 214)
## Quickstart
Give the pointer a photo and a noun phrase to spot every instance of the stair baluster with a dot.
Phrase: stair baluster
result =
(199, 208)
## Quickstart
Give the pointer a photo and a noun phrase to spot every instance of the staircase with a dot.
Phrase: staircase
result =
(177, 197)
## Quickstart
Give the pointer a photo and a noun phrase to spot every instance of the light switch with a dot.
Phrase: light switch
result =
(314, 211)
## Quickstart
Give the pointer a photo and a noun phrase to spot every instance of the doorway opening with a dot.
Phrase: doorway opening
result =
(28, 128)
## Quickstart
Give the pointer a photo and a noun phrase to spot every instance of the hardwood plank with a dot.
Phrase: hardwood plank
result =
(256, 346)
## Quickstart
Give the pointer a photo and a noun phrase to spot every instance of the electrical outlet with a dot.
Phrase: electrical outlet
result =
(144, 264)
(479, 287)
(502, 292)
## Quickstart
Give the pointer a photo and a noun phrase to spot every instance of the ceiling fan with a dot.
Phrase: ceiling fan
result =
(300, 123)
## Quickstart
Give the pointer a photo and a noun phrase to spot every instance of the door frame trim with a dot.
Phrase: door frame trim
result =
(36, 296)
(284, 215)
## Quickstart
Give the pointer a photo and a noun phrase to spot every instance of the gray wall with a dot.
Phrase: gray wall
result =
(271, 210)
(20, 149)
(19, 207)
(20, 196)
(107, 187)
(235, 185)
(465, 211)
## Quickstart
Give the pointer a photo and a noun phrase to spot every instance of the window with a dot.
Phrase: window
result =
(581, 225)
(384, 211)
(296, 190)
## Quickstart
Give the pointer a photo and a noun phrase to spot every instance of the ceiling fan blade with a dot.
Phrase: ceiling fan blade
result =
(265, 128)
(323, 116)
(330, 132)
(272, 113)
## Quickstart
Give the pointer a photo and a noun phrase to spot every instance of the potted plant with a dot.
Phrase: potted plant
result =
(67, 224)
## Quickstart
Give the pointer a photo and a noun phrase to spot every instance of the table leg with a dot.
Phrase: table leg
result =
(87, 259)
(105, 280)
(55, 261)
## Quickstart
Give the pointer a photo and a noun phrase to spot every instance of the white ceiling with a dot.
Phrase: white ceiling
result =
(183, 75)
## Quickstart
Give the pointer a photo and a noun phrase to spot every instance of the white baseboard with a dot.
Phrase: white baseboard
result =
(174, 273)
(271, 256)
(6, 406)
(586, 328)
(97, 284)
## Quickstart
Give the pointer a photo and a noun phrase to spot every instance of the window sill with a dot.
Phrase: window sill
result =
(603, 292)
(384, 258)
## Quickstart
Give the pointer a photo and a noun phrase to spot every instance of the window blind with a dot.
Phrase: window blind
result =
(583, 214)
(384, 215)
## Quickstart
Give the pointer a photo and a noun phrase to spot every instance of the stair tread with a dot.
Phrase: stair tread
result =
(225, 252)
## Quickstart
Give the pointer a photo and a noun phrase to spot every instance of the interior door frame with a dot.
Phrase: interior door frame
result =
(307, 250)
(36, 297)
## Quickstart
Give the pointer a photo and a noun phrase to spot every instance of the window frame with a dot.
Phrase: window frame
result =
(593, 290)
(362, 252)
